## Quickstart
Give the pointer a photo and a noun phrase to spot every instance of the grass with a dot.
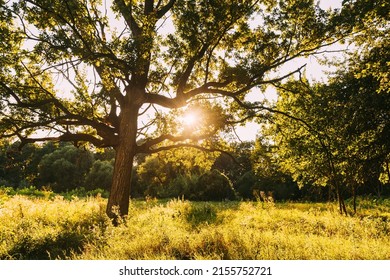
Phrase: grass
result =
(57, 228)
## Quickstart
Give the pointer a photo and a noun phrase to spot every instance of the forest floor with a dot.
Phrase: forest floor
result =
(53, 227)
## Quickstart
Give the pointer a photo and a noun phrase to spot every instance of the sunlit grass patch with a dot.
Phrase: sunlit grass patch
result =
(57, 228)
(34, 228)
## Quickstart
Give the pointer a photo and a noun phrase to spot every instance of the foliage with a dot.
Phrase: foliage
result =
(65, 168)
(335, 134)
(117, 66)
(99, 175)
(18, 168)
(79, 229)
(213, 185)
(237, 162)
(57, 167)
(173, 173)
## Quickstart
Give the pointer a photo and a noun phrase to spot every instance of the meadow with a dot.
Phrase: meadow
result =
(49, 226)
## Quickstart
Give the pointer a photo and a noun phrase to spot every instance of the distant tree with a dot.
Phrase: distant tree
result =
(18, 168)
(65, 168)
(100, 175)
(269, 176)
(237, 161)
(214, 185)
(160, 171)
(8, 176)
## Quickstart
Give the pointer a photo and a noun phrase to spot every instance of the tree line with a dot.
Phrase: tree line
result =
(185, 173)
(248, 171)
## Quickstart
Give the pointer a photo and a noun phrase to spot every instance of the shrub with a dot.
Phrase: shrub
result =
(215, 186)
(100, 175)
(246, 184)
(65, 168)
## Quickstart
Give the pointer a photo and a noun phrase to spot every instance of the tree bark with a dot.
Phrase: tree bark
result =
(118, 201)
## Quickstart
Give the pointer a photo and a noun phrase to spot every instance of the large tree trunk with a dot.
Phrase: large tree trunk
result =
(118, 201)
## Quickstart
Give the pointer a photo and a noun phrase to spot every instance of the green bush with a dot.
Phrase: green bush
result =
(209, 186)
(100, 175)
(65, 168)
(34, 192)
(246, 184)
(214, 186)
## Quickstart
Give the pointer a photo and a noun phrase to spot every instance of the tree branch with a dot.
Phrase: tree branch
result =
(127, 14)
(190, 66)
(149, 143)
(165, 9)
(149, 7)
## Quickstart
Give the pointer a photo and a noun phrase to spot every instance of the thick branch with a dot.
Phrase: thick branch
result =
(180, 101)
(190, 66)
(127, 14)
(114, 90)
(146, 147)
(164, 101)
(210, 87)
(149, 6)
(165, 9)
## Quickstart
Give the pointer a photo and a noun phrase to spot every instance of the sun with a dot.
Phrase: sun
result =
(190, 118)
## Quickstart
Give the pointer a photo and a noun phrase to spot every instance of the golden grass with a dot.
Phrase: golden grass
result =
(79, 229)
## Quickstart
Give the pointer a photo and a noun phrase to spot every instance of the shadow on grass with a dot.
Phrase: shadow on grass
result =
(201, 214)
(50, 247)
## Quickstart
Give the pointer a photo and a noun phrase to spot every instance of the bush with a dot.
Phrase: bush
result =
(100, 175)
(282, 187)
(214, 186)
(65, 168)
(246, 184)
(210, 186)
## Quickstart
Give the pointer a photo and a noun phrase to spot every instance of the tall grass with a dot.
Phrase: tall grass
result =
(55, 228)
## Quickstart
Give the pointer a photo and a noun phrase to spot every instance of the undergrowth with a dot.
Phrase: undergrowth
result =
(57, 228)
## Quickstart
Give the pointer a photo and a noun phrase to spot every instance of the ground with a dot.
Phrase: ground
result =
(53, 227)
